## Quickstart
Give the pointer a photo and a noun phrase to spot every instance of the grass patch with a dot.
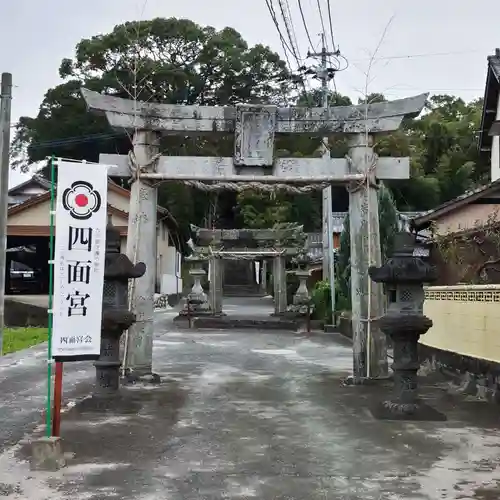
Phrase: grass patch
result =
(16, 339)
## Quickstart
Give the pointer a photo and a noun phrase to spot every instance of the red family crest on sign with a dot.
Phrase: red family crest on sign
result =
(81, 200)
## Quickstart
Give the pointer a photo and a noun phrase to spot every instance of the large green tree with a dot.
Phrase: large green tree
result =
(443, 146)
(171, 61)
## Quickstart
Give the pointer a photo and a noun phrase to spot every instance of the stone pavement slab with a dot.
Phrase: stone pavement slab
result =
(246, 415)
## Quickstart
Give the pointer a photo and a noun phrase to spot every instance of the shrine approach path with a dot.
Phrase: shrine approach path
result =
(245, 415)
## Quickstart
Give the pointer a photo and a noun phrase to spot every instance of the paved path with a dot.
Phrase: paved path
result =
(254, 307)
(35, 300)
(23, 390)
(23, 379)
(247, 415)
(244, 415)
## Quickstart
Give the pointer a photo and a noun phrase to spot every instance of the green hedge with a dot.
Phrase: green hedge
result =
(322, 302)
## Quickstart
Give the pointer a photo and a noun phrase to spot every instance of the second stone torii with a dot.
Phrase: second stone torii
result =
(278, 243)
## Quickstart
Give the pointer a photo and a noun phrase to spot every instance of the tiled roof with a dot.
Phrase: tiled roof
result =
(490, 100)
(35, 179)
(494, 62)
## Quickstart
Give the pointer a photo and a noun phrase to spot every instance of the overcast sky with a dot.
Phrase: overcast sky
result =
(430, 45)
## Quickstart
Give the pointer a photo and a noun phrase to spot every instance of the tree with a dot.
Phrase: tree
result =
(372, 98)
(162, 60)
(263, 210)
(443, 145)
(171, 61)
(64, 128)
(314, 98)
(177, 61)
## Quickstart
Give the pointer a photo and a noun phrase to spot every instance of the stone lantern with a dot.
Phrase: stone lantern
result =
(403, 276)
(301, 299)
(116, 317)
(197, 299)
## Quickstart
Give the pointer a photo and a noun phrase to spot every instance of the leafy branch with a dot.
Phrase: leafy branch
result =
(470, 255)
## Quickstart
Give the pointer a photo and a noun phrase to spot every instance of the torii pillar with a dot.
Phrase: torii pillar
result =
(279, 285)
(215, 276)
(142, 224)
(369, 343)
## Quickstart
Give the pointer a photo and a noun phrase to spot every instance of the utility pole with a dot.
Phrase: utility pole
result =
(324, 74)
(5, 105)
(328, 249)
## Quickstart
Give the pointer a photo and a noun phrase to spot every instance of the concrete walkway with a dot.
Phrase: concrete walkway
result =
(23, 390)
(251, 307)
(23, 387)
(23, 375)
(253, 415)
(35, 300)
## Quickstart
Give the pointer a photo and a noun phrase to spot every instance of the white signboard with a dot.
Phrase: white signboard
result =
(80, 244)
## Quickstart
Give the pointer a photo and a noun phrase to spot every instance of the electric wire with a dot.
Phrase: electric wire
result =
(289, 20)
(76, 140)
(305, 24)
(288, 28)
(285, 46)
(331, 24)
(322, 20)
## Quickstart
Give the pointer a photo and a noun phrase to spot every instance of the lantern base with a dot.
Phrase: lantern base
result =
(391, 410)
(131, 378)
(297, 309)
(351, 380)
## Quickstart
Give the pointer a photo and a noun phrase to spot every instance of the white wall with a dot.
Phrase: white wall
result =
(170, 281)
(495, 151)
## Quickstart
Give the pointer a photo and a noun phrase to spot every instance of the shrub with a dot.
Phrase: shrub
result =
(321, 301)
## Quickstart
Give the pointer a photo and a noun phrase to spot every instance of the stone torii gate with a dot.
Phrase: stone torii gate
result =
(278, 243)
(254, 162)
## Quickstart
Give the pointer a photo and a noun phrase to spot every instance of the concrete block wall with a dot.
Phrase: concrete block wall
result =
(466, 320)
(464, 340)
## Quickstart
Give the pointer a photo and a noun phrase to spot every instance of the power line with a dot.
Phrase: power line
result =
(292, 27)
(271, 10)
(305, 24)
(289, 29)
(423, 55)
(75, 140)
(331, 24)
(321, 17)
